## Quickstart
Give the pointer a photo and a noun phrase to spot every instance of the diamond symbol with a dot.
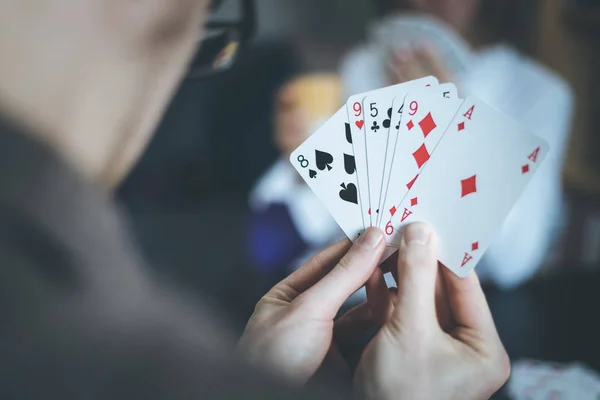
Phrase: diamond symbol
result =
(410, 184)
(469, 185)
(421, 156)
(410, 125)
(525, 168)
(461, 126)
(414, 202)
(427, 125)
(393, 211)
(475, 246)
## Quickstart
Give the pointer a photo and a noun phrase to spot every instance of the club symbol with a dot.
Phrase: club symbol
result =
(398, 125)
(375, 127)
(312, 173)
(388, 121)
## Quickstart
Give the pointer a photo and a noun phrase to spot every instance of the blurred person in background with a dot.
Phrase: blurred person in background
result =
(288, 223)
(82, 317)
(499, 34)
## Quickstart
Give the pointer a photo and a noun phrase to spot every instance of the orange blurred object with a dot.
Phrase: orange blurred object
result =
(318, 96)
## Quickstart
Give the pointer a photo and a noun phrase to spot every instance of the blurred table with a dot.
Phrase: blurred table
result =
(553, 319)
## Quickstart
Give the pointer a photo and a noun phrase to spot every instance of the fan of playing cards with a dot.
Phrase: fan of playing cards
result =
(416, 152)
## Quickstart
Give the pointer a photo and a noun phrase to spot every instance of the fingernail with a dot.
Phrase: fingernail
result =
(417, 233)
(372, 237)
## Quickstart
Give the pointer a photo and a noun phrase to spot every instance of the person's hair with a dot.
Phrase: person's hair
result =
(510, 21)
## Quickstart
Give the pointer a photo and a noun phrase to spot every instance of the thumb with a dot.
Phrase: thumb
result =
(417, 273)
(351, 272)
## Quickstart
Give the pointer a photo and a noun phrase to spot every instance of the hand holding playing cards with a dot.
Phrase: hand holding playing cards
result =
(407, 65)
(291, 330)
(412, 356)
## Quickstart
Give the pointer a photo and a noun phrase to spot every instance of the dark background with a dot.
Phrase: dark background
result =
(188, 195)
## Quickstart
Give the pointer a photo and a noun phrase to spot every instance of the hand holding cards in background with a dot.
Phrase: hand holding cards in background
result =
(422, 60)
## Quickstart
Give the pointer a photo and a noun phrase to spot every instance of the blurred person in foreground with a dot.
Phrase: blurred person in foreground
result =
(288, 223)
(83, 84)
(499, 34)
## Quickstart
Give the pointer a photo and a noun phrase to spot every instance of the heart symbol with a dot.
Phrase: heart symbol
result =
(349, 193)
(360, 124)
(312, 173)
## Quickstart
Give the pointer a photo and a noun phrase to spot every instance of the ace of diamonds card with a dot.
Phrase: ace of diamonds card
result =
(470, 184)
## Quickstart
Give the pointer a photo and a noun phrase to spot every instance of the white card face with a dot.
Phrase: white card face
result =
(466, 190)
(426, 117)
(325, 161)
(356, 118)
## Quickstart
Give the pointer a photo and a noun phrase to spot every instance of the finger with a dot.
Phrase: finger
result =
(417, 272)
(357, 321)
(379, 298)
(351, 272)
(429, 60)
(468, 303)
(412, 68)
(311, 272)
(395, 74)
(391, 264)
(353, 324)
(405, 66)
(444, 314)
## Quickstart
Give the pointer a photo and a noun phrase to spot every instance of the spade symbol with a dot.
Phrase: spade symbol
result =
(349, 193)
(312, 173)
(388, 121)
(348, 134)
(349, 164)
(324, 160)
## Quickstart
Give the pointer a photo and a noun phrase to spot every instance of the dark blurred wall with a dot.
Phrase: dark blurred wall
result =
(215, 139)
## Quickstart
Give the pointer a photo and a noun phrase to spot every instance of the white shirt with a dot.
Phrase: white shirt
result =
(533, 96)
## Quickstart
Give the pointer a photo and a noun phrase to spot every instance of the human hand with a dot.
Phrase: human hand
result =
(422, 61)
(292, 327)
(424, 350)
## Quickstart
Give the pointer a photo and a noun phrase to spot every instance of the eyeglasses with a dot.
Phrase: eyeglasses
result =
(223, 41)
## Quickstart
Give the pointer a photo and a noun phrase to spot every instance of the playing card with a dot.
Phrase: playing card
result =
(359, 131)
(379, 127)
(427, 115)
(326, 162)
(468, 187)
